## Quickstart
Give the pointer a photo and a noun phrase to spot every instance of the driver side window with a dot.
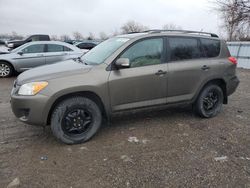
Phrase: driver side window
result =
(146, 52)
(36, 48)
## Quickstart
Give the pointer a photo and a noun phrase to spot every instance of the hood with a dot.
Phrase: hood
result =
(14, 41)
(48, 72)
(5, 55)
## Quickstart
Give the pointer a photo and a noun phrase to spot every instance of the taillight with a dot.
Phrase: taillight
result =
(233, 60)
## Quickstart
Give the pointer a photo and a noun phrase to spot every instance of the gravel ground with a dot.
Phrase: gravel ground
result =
(162, 148)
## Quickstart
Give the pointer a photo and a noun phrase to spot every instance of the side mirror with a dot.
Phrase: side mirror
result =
(122, 63)
(20, 53)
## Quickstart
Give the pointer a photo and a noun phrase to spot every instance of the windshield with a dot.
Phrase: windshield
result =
(102, 51)
(18, 48)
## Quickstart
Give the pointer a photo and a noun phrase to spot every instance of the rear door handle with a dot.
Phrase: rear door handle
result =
(160, 72)
(205, 67)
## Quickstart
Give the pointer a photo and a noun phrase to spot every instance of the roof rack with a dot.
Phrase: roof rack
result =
(182, 31)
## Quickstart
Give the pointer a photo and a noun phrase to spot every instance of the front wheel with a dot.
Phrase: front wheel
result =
(6, 70)
(76, 120)
(209, 102)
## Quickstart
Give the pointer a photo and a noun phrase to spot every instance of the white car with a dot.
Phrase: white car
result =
(35, 54)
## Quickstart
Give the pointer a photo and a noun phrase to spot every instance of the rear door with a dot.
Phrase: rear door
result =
(144, 83)
(56, 53)
(187, 68)
(32, 56)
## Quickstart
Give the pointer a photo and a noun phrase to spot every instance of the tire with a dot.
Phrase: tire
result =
(209, 102)
(76, 120)
(6, 70)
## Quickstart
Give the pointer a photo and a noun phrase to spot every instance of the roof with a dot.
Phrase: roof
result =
(50, 42)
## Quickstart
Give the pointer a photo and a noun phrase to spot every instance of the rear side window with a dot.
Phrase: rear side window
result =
(211, 48)
(184, 48)
(35, 38)
(55, 48)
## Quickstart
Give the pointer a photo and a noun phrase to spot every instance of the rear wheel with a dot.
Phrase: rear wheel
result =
(209, 102)
(6, 70)
(76, 120)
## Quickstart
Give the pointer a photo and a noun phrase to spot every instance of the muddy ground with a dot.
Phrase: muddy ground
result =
(163, 148)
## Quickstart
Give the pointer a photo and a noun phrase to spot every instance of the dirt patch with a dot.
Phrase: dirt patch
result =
(163, 148)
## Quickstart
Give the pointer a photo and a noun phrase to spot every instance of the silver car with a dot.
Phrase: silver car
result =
(35, 54)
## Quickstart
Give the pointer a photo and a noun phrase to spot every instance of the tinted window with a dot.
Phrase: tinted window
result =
(36, 48)
(184, 48)
(211, 48)
(55, 48)
(146, 52)
(35, 38)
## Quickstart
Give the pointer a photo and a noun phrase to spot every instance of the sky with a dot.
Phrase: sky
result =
(58, 17)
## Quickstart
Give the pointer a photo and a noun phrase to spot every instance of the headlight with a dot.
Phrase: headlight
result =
(32, 88)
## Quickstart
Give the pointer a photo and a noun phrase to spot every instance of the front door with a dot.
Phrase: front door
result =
(31, 56)
(144, 83)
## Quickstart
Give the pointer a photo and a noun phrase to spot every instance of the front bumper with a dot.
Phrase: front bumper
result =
(30, 109)
(232, 85)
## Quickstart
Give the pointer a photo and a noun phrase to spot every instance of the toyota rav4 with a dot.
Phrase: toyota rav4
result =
(131, 71)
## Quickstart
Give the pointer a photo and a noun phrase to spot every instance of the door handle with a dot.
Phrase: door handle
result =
(205, 67)
(160, 72)
(39, 55)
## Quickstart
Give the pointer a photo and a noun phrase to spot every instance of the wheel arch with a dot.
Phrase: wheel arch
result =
(11, 64)
(217, 81)
(88, 94)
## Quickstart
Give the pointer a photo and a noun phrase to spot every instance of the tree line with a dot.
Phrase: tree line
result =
(234, 15)
(128, 27)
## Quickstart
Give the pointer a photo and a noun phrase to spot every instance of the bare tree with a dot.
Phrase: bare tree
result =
(103, 36)
(16, 36)
(77, 35)
(54, 37)
(171, 26)
(115, 33)
(65, 37)
(132, 26)
(91, 36)
(11, 36)
(235, 15)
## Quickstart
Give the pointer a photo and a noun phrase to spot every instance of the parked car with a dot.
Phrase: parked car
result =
(127, 72)
(86, 45)
(2, 42)
(16, 43)
(35, 54)
(72, 41)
